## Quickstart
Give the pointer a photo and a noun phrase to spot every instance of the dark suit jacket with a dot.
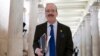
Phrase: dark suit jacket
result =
(64, 43)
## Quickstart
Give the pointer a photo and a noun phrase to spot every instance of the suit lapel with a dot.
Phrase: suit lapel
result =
(44, 28)
(58, 37)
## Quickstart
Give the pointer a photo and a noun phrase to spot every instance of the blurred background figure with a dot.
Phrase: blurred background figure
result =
(76, 51)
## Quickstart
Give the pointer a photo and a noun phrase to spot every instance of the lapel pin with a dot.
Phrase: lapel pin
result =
(62, 35)
(60, 30)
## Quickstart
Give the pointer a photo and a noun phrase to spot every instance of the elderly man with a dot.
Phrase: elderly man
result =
(60, 43)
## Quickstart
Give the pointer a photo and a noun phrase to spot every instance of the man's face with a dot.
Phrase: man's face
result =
(51, 13)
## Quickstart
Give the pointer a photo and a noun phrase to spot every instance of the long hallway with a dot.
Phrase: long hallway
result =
(82, 16)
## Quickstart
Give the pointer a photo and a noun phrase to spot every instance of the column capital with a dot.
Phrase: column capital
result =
(94, 7)
(87, 17)
(98, 0)
(83, 23)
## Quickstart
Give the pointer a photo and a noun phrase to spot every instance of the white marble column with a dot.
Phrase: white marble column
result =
(32, 24)
(15, 38)
(88, 36)
(79, 34)
(80, 40)
(4, 17)
(83, 39)
(94, 29)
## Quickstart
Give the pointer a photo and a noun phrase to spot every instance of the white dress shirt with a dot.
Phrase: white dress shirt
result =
(48, 33)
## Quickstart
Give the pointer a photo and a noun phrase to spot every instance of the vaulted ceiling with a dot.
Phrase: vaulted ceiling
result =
(71, 12)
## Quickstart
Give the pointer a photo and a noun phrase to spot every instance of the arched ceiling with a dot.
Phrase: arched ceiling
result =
(71, 12)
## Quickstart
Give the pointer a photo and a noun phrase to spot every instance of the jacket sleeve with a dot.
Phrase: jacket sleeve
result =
(35, 41)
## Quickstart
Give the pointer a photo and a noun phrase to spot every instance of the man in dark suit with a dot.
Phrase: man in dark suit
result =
(61, 38)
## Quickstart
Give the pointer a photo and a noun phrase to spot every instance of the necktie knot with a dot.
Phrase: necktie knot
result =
(51, 26)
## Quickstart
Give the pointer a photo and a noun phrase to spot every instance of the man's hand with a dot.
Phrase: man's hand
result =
(38, 51)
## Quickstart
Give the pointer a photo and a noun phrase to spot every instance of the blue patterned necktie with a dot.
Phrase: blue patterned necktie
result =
(52, 50)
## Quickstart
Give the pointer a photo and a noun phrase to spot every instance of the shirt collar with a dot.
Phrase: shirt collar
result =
(54, 24)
